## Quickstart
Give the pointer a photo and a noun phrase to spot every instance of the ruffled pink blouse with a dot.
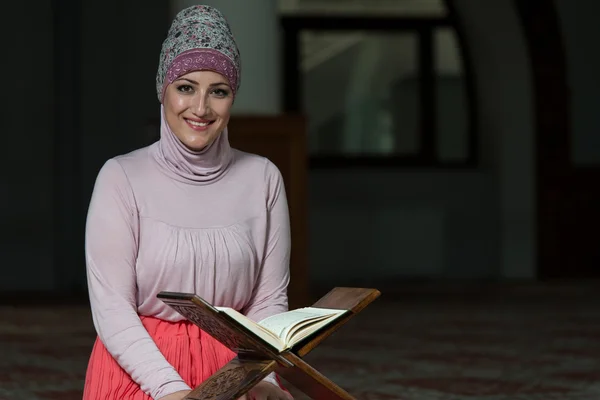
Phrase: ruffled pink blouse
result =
(214, 223)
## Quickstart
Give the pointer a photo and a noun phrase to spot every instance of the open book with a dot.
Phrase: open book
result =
(283, 331)
(278, 332)
(275, 344)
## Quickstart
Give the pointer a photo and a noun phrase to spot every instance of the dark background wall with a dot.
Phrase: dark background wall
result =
(80, 85)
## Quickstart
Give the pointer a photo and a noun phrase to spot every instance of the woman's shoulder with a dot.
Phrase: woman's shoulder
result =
(133, 159)
(261, 171)
(122, 167)
(129, 164)
(255, 165)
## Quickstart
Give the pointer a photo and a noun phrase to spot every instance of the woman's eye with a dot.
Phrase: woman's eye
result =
(185, 88)
(220, 92)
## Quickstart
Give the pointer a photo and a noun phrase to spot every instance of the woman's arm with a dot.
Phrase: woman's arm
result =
(269, 296)
(270, 293)
(111, 250)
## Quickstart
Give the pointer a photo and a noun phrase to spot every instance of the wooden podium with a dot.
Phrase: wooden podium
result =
(256, 359)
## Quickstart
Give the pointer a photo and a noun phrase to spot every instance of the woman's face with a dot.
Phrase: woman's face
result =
(197, 107)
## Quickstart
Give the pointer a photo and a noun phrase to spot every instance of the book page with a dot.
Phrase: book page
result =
(265, 334)
(282, 324)
(301, 331)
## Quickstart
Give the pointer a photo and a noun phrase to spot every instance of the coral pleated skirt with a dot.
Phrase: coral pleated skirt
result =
(193, 353)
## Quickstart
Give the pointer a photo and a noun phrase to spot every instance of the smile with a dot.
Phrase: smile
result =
(198, 125)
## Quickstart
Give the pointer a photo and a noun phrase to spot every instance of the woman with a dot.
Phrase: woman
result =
(188, 214)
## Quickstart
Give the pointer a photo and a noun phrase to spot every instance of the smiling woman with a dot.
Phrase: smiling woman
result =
(197, 108)
(185, 214)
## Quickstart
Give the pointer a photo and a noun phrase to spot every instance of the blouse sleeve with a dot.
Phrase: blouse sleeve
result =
(111, 249)
(270, 293)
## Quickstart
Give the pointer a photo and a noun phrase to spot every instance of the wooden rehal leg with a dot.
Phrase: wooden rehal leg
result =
(311, 381)
(233, 380)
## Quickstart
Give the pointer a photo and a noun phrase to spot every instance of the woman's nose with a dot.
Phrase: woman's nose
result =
(201, 106)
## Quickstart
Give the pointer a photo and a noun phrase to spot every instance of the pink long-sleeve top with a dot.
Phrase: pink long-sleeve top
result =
(214, 223)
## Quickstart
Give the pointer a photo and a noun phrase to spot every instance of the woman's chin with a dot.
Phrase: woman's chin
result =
(195, 146)
(196, 142)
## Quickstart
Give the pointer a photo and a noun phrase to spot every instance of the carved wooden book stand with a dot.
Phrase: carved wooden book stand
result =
(256, 359)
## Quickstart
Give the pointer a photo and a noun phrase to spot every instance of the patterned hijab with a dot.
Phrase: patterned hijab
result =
(199, 39)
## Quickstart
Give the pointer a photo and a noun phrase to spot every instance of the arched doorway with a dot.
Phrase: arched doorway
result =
(568, 193)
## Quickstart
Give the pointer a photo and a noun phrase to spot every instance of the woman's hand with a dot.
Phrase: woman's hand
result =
(266, 391)
(177, 395)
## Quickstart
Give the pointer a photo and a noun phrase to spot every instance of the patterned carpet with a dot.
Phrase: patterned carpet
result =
(434, 349)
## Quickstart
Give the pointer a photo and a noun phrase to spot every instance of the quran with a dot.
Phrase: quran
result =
(283, 331)
(280, 331)
(275, 344)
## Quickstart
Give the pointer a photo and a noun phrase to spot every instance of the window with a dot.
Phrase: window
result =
(379, 89)
(362, 99)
